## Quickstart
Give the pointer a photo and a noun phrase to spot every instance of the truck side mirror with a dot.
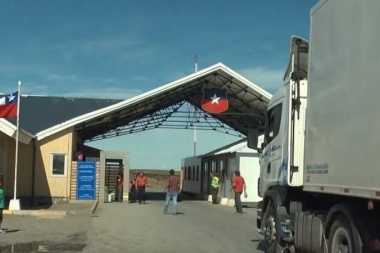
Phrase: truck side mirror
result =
(252, 140)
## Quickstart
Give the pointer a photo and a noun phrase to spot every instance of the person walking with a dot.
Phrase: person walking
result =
(2, 197)
(133, 189)
(141, 182)
(171, 189)
(215, 182)
(238, 185)
(120, 184)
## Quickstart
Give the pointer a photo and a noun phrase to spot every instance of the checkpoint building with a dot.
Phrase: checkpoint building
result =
(54, 131)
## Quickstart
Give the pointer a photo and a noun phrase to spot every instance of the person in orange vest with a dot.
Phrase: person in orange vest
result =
(141, 182)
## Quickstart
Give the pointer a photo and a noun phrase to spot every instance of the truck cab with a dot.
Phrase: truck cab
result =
(281, 162)
(281, 159)
(318, 195)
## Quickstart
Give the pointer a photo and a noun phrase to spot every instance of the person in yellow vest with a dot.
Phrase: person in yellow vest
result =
(215, 183)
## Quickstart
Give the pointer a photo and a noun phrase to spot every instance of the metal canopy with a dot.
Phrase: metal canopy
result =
(177, 105)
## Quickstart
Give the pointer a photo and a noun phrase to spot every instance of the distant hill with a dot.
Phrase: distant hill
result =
(156, 178)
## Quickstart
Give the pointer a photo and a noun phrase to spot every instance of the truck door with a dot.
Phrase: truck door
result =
(272, 164)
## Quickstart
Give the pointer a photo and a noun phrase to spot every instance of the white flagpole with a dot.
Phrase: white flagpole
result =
(15, 204)
(195, 113)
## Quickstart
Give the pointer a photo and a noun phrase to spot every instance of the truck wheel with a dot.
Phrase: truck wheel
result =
(340, 237)
(270, 229)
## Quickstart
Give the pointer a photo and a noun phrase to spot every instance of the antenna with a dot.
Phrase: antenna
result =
(196, 64)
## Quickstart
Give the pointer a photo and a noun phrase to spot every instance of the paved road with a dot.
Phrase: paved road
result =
(122, 227)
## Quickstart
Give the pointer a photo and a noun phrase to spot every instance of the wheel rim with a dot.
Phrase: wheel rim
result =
(341, 242)
(270, 230)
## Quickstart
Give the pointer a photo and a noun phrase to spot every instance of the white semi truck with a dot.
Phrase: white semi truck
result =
(320, 162)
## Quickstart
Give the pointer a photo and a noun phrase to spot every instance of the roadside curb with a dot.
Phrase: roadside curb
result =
(51, 213)
(39, 213)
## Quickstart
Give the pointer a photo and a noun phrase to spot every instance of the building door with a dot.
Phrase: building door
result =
(113, 168)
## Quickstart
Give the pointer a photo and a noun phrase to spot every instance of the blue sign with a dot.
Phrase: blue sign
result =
(86, 181)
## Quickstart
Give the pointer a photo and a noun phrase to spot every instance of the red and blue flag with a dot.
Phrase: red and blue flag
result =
(214, 100)
(8, 106)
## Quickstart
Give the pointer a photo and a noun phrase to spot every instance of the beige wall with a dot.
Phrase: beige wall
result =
(24, 167)
(47, 184)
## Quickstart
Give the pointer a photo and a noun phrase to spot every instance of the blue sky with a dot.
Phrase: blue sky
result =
(119, 49)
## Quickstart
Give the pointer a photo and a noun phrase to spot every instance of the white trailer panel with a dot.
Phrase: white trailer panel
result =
(249, 167)
(343, 119)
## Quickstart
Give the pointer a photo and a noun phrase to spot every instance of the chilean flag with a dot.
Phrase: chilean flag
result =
(8, 106)
(214, 100)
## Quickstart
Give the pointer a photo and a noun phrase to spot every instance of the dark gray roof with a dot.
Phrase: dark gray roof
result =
(38, 113)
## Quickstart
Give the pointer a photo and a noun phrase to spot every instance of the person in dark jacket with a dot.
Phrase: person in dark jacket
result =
(133, 189)
(120, 184)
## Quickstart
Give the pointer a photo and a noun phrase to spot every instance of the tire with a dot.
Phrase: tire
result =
(270, 229)
(341, 237)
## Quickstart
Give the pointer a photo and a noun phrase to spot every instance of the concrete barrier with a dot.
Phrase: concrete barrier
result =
(231, 202)
(224, 201)
(46, 213)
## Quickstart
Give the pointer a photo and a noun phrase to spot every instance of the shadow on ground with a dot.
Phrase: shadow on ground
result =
(261, 245)
(157, 196)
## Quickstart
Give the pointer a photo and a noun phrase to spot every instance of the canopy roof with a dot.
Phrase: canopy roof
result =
(177, 105)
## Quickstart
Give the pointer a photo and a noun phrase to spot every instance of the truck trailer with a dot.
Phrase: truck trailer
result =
(319, 170)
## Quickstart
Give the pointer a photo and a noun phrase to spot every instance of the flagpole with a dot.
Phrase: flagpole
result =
(195, 113)
(15, 204)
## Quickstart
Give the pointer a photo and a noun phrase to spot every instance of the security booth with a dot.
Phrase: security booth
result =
(111, 163)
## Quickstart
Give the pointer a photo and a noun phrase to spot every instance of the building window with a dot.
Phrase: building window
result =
(221, 168)
(213, 167)
(58, 164)
(273, 123)
(188, 173)
(197, 172)
(205, 169)
(193, 173)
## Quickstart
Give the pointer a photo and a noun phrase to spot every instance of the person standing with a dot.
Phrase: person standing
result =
(238, 185)
(141, 182)
(120, 184)
(215, 182)
(171, 189)
(2, 197)
(133, 189)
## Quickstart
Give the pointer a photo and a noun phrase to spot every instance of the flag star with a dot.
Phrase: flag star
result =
(215, 99)
(11, 97)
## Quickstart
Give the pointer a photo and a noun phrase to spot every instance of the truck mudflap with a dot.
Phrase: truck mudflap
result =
(259, 216)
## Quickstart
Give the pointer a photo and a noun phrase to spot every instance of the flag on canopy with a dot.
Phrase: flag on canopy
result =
(214, 100)
(8, 106)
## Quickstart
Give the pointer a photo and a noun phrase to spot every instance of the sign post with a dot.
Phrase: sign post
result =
(86, 181)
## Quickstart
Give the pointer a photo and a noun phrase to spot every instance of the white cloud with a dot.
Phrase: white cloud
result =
(268, 79)
(31, 88)
(110, 92)
(51, 77)
(106, 45)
